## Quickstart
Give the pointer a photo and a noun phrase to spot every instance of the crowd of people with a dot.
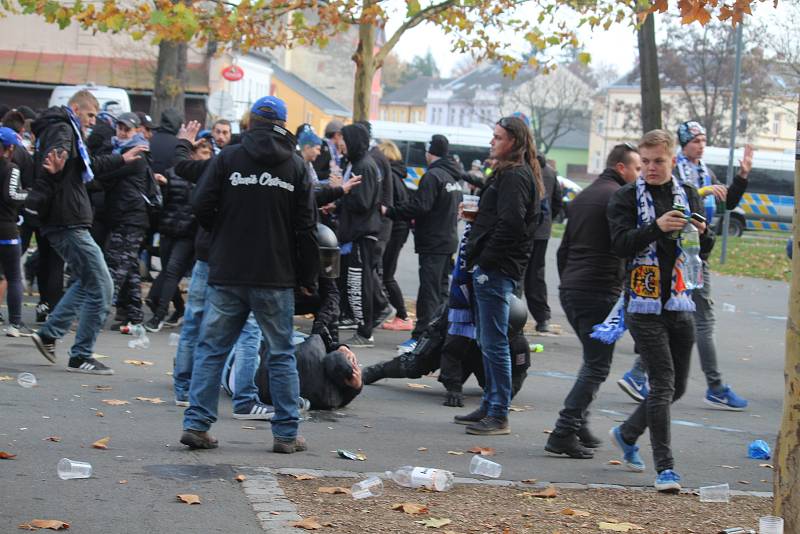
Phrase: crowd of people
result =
(267, 224)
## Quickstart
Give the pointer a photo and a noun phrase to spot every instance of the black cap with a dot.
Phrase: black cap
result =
(438, 146)
(145, 119)
(131, 120)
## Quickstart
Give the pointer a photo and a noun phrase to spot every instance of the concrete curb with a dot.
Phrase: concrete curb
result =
(276, 512)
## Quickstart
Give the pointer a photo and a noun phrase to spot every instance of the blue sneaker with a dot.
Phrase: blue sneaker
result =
(668, 481)
(630, 453)
(727, 400)
(637, 390)
(406, 346)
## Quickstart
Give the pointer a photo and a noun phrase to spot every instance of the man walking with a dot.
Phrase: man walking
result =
(257, 201)
(591, 281)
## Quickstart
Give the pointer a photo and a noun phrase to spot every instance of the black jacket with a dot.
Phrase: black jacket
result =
(358, 211)
(124, 203)
(628, 240)
(552, 203)
(502, 234)
(191, 170)
(12, 197)
(434, 208)
(164, 141)
(586, 260)
(177, 219)
(68, 204)
(385, 168)
(256, 200)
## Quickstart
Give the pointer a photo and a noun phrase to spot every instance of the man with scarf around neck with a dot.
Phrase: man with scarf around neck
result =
(497, 251)
(658, 305)
(690, 168)
(60, 199)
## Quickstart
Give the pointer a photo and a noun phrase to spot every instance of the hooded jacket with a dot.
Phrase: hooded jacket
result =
(11, 199)
(177, 219)
(358, 211)
(68, 201)
(258, 204)
(124, 203)
(164, 140)
(434, 208)
(552, 202)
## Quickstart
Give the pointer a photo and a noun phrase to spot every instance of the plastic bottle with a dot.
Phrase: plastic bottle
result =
(693, 266)
(26, 380)
(418, 477)
(140, 341)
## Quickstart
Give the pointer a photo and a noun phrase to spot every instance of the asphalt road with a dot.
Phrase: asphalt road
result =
(389, 422)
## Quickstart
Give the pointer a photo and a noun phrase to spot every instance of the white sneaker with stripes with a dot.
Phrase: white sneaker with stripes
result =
(257, 411)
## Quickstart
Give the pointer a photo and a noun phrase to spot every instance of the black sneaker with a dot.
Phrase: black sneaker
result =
(568, 445)
(588, 439)
(195, 439)
(472, 417)
(359, 341)
(175, 319)
(154, 324)
(387, 314)
(347, 323)
(543, 327)
(490, 426)
(18, 330)
(42, 311)
(257, 411)
(373, 373)
(46, 345)
(88, 365)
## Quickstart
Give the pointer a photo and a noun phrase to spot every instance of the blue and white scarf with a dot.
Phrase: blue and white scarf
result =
(644, 288)
(87, 174)
(699, 176)
(120, 146)
(460, 315)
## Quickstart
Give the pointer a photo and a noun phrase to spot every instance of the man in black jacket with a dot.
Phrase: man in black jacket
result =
(254, 192)
(359, 226)
(591, 281)
(535, 284)
(498, 248)
(434, 208)
(60, 200)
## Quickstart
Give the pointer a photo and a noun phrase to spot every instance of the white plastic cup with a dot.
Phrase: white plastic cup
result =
(730, 308)
(481, 466)
(174, 339)
(69, 469)
(26, 380)
(371, 487)
(469, 206)
(770, 525)
(719, 493)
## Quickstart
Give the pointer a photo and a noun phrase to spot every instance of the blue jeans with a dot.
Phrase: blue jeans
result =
(493, 292)
(245, 364)
(89, 295)
(226, 312)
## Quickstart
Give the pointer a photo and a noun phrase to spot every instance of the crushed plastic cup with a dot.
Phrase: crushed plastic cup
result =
(718, 493)
(758, 450)
(481, 466)
(370, 487)
(536, 347)
(174, 339)
(69, 469)
(770, 525)
(26, 380)
(730, 308)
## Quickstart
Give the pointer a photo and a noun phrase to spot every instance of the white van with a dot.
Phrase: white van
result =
(111, 99)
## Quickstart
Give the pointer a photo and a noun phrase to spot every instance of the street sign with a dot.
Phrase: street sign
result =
(233, 73)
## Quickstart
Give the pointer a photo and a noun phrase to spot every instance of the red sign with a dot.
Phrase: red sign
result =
(233, 73)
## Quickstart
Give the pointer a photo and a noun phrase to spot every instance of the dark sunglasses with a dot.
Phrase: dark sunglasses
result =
(505, 122)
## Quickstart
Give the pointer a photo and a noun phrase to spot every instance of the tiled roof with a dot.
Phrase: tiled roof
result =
(412, 93)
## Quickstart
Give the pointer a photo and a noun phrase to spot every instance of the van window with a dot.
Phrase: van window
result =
(764, 181)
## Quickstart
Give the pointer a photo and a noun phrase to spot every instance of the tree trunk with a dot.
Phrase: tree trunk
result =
(364, 58)
(170, 80)
(787, 453)
(648, 67)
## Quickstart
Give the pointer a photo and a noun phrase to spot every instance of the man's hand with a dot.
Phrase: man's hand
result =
(335, 180)
(306, 292)
(454, 399)
(355, 379)
(160, 178)
(134, 153)
(718, 190)
(329, 208)
(746, 163)
(671, 221)
(188, 131)
(54, 161)
(701, 226)
(351, 183)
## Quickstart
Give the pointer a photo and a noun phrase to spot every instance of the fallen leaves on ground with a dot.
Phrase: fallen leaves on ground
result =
(99, 414)
(240, 478)
(729, 466)
(529, 481)
(422, 449)
(122, 482)
(483, 451)
(151, 400)
(309, 523)
(455, 453)
(548, 493)
(576, 513)
(246, 427)
(102, 388)
(139, 362)
(432, 522)
(101, 443)
(768, 466)
(7, 455)
(54, 439)
(614, 462)
(189, 498)
(513, 408)
(52, 524)
(302, 476)
(6, 378)
(419, 386)
(115, 402)
(411, 508)
(618, 527)
(333, 490)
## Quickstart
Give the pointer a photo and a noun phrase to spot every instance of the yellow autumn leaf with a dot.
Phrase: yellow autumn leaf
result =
(189, 498)
(411, 508)
(101, 443)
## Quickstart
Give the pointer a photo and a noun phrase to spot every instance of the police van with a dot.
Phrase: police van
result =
(768, 203)
(111, 99)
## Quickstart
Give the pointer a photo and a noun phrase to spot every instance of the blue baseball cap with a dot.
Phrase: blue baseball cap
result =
(8, 137)
(308, 137)
(269, 107)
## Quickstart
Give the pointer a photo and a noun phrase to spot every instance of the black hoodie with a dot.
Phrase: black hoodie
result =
(257, 201)
(434, 208)
(162, 145)
(358, 211)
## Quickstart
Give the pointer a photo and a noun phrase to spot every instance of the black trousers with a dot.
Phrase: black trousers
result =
(50, 266)
(177, 257)
(535, 285)
(356, 284)
(665, 345)
(398, 238)
(584, 309)
(9, 259)
(434, 270)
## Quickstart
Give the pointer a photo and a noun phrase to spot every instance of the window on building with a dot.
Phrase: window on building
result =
(601, 126)
(776, 124)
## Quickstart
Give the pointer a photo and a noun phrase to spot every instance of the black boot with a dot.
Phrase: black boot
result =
(372, 374)
(472, 417)
(569, 445)
(588, 439)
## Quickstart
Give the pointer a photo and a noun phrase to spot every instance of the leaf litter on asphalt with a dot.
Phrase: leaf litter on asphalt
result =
(333, 490)
(7, 455)
(101, 443)
(151, 400)
(52, 524)
(140, 363)
(309, 523)
(433, 522)
(483, 451)
(411, 508)
(115, 402)
(189, 498)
